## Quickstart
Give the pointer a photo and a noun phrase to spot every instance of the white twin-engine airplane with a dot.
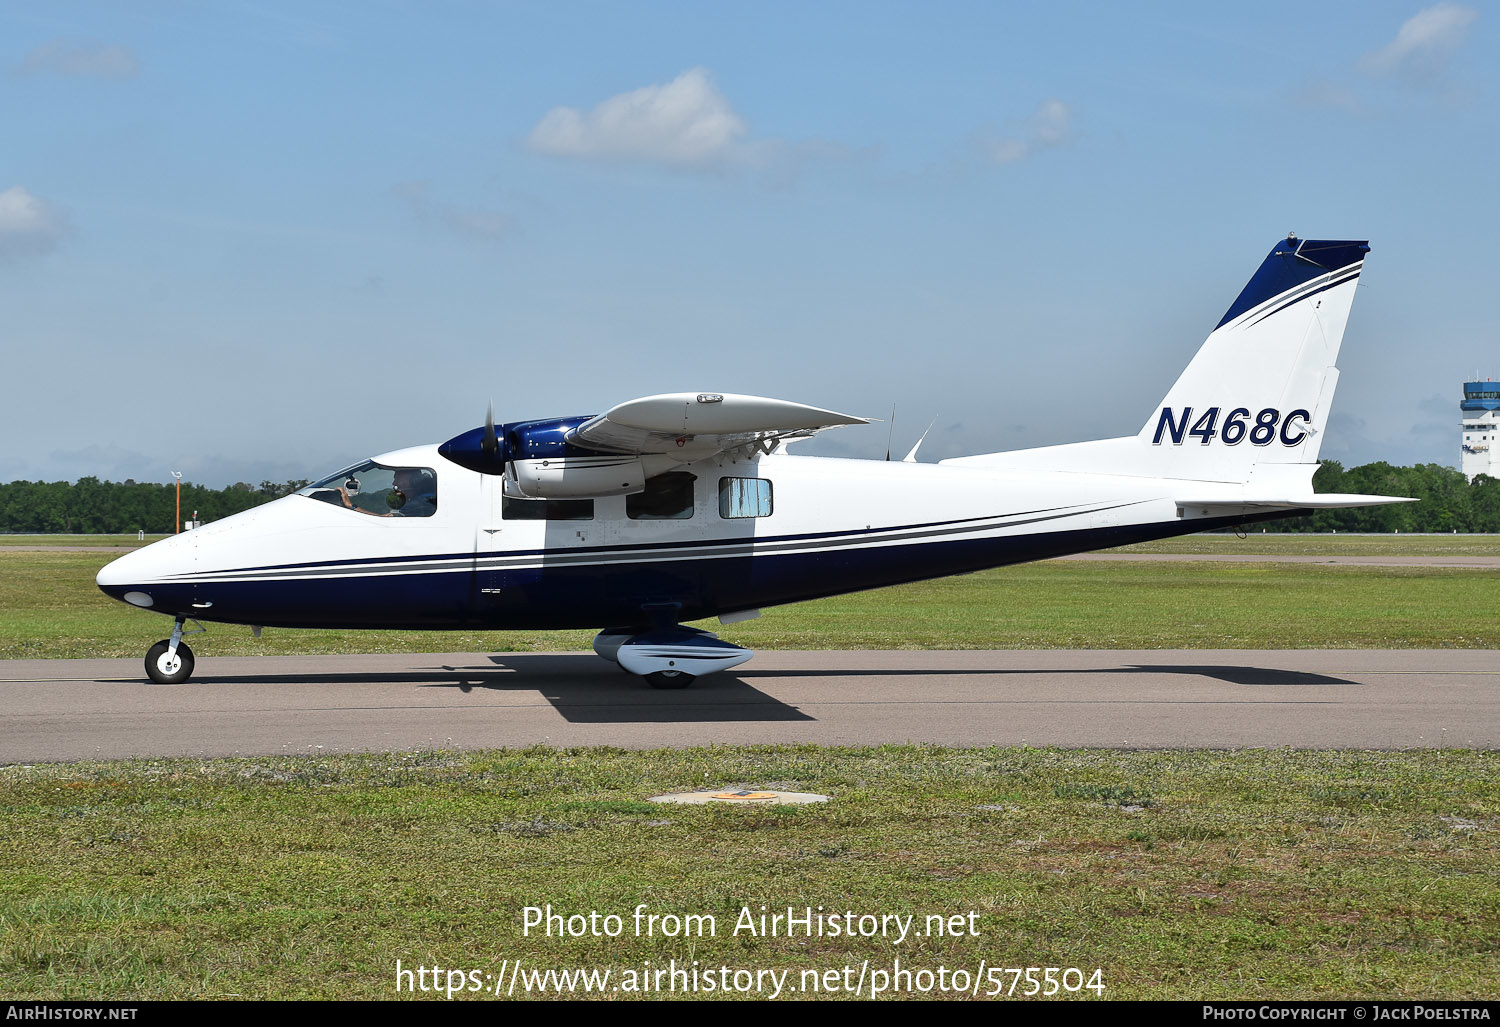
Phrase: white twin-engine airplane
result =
(679, 507)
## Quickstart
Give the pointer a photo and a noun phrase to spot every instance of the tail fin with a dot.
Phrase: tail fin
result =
(1259, 390)
(1257, 393)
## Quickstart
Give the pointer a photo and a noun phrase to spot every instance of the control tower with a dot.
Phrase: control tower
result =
(1481, 429)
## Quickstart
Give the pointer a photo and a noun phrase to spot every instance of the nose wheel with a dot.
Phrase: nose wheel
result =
(166, 667)
(170, 661)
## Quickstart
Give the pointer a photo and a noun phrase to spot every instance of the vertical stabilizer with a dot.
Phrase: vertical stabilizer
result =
(1260, 388)
(1256, 395)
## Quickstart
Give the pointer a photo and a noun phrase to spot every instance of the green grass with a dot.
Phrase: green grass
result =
(77, 540)
(1148, 606)
(1180, 875)
(1268, 544)
(53, 609)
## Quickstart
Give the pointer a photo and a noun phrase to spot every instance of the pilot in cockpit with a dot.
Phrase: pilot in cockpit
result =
(411, 492)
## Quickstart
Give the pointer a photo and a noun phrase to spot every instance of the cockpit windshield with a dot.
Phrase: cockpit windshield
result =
(378, 490)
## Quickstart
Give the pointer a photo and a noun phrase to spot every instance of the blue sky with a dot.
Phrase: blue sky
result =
(261, 240)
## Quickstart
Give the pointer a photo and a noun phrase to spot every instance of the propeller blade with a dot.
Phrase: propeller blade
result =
(491, 442)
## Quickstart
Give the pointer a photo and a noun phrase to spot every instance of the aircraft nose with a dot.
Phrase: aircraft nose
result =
(124, 579)
(131, 577)
(115, 573)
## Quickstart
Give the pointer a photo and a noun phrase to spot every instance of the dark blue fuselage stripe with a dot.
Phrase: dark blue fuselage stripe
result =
(457, 562)
(691, 543)
(588, 597)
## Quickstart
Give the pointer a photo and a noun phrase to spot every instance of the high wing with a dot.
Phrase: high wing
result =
(694, 426)
(615, 453)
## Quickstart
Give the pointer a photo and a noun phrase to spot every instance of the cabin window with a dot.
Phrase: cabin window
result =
(371, 488)
(546, 509)
(667, 497)
(744, 497)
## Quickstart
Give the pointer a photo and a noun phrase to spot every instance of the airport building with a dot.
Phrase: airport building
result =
(1481, 429)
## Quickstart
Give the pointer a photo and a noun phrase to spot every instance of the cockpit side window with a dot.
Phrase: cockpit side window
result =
(379, 491)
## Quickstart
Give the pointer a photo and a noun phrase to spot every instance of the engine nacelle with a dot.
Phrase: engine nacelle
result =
(522, 440)
(575, 477)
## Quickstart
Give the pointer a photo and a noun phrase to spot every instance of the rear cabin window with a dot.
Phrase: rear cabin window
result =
(744, 497)
(667, 497)
(546, 509)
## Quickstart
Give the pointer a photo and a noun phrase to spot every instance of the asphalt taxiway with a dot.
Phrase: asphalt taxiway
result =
(1399, 699)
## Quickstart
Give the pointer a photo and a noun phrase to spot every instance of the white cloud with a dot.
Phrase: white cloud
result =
(80, 60)
(1424, 43)
(1050, 123)
(29, 225)
(1048, 127)
(685, 123)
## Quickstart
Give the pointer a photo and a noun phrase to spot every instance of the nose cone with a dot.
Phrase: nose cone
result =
(116, 574)
(134, 577)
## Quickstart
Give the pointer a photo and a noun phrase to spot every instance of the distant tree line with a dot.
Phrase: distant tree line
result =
(90, 506)
(1449, 502)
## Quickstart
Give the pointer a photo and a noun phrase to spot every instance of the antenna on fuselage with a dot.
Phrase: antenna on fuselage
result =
(890, 435)
(911, 457)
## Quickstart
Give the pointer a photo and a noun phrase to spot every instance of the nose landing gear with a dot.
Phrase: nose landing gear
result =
(170, 661)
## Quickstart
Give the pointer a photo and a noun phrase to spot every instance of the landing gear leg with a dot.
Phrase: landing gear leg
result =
(170, 661)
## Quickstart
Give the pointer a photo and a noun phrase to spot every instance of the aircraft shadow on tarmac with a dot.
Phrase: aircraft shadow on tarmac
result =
(1241, 675)
(1229, 674)
(582, 689)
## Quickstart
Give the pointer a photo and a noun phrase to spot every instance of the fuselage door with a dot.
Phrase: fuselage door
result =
(517, 540)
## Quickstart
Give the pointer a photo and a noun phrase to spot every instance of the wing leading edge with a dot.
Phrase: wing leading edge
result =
(697, 425)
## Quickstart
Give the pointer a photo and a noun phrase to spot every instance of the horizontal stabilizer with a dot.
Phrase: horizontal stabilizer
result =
(1322, 501)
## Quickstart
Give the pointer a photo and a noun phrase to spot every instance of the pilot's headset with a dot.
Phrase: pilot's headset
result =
(420, 482)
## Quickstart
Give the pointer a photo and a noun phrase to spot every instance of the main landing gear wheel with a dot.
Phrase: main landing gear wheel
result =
(669, 679)
(166, 668)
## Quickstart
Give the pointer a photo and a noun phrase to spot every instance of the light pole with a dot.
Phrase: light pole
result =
(178, 476)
